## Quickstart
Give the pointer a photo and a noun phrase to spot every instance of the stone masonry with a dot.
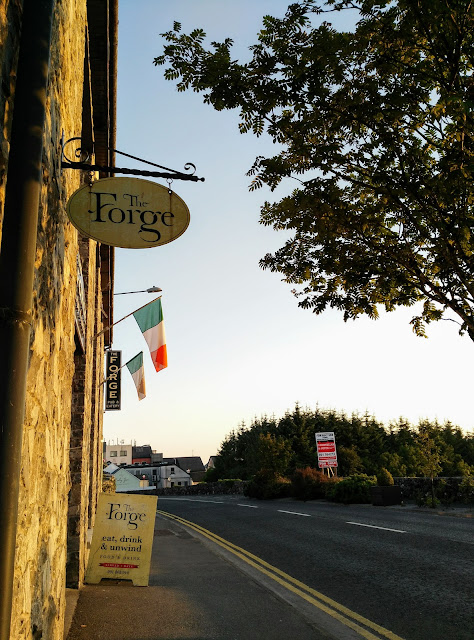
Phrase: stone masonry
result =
(61, 452)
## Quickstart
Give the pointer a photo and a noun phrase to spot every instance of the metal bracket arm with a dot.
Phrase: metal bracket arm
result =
(84, 165)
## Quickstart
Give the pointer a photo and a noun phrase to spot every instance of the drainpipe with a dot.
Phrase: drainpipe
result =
(17, 258)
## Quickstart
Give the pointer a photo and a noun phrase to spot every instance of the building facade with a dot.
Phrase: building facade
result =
(118, 453)
(61, 446)
(162, 476)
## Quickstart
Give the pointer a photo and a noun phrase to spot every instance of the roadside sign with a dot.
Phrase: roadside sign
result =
(122, 539)
(326, 449)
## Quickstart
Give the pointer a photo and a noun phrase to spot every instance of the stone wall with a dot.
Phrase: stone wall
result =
(56, 363)
(10, 20)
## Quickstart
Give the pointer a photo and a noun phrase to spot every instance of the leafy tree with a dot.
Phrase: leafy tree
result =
(377, 126)
(430, 460)
(349, 461)
(271, 453)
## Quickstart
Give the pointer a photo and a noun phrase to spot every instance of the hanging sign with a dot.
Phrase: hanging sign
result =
(326, 448)
(128, 212)
(122, 539)
(113, 377)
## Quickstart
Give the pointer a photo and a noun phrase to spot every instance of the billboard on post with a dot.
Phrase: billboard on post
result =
(326, 448)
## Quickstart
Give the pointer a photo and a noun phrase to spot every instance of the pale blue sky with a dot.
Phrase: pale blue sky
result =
(238, 345)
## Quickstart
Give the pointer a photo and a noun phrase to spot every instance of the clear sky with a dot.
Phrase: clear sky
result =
(238, 345)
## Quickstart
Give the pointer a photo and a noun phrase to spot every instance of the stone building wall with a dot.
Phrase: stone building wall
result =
(10, 21)
(61, 466)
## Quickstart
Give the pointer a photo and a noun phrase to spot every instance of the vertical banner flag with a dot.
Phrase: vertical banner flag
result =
(150, 321)
(135, 366)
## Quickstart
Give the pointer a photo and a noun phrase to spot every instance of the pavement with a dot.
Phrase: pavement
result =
(195, 592)
(199, 591)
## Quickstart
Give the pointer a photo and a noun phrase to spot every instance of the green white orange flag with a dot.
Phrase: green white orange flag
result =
(135, 366)
(150, 321)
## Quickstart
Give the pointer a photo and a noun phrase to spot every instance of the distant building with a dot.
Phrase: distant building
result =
(142, 454)
(126, 481)
(118, 453)
(194, 466)
(156, 458)
(211, 463)
(162, 475)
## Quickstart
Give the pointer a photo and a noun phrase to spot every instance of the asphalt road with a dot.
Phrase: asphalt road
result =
(408, 570)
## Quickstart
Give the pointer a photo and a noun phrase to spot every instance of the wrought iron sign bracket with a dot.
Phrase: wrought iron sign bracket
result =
(83, 163)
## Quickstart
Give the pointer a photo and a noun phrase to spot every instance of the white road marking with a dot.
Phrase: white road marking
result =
(295, 513)
(250, 506)
(372, 526)
(190, 500)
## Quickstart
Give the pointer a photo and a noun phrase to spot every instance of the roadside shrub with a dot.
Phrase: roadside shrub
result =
(309, 484)
(354, 489)
(384, 478)
(229, 482)
(466, 490)
(426, 500)
(267, 485)
(211, 475)
(108, 483)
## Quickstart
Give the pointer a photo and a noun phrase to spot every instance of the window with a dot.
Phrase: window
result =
(123, 453)
(172, 470)
(113, 454)
(179, 484)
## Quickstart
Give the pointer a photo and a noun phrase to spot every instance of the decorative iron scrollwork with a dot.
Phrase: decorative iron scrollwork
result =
(81, 155)
(83, 163)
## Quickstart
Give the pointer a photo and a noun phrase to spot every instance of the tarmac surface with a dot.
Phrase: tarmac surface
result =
(194, 593)
(198, 591)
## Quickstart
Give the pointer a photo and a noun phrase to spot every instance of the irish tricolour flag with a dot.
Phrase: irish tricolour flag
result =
(150, 321)
(135, 366)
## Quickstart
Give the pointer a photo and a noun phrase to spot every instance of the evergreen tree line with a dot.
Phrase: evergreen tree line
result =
(364, 446)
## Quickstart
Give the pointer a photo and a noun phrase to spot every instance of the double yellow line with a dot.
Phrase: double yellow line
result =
(365, 628)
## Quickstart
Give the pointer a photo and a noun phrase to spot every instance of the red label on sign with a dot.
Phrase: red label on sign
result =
(326, 446)
(119, 566)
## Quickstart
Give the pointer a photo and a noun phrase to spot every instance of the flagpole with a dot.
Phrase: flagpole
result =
(124, 365)
(125, 317)
(112, 374)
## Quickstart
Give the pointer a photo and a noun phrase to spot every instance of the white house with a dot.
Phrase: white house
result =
(126, 481)
(161, 475)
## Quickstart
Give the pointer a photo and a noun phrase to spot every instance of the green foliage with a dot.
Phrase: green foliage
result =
(429, 452)
(466, 490)
(384, 478)
(354, 489)
(211, 475)
(376, 125)
(349, 461)
(267, 485)
(427, 499)
(364, 445)
(309, 484)
(271, 452)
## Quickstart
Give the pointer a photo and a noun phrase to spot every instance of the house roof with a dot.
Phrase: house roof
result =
(192, 463)
(111, 468)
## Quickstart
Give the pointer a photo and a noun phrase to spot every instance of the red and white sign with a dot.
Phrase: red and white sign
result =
(326, 448)
(324, 464)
